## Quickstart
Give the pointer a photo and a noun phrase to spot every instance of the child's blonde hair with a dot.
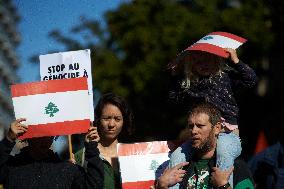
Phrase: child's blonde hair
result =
(192, 58)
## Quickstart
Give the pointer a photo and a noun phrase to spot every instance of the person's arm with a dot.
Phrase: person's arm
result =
(95, 168)
(220, 179)
(93, 177)
(245, 75)
(7, 144)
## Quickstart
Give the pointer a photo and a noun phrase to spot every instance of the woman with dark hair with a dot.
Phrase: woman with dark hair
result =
(113, 118)
(110, 100)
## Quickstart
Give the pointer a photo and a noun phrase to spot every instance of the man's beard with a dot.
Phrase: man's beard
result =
(207, 145)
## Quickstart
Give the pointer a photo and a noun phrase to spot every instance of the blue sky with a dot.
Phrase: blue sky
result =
(38, 17)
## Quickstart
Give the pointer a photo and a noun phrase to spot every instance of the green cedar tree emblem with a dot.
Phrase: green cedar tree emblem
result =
(154, 165)
(51, 109)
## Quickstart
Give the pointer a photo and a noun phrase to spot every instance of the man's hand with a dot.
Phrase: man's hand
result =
(92, 135)
(219, 177)
(171, 176)
(233, 55)
(16, 129)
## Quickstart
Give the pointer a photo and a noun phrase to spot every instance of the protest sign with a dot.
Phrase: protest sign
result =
(64, 65)
(56, 107)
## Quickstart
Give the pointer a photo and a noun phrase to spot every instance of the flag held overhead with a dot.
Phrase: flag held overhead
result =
(55, 107)
(215, 43)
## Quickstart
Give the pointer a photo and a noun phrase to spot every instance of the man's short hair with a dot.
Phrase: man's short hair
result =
(205, 107)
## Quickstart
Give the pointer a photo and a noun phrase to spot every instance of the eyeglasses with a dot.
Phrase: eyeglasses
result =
(108, 118)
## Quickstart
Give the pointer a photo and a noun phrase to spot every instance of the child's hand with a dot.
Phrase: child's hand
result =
(17, 129)
(232, 55)
(92, 135)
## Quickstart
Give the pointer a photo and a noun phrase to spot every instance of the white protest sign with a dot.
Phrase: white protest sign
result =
(65, 65)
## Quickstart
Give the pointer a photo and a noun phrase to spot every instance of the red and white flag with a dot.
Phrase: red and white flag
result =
(141, 163)
(55, 107)
(215, 43)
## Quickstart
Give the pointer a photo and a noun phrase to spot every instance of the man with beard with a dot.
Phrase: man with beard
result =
(192, 165)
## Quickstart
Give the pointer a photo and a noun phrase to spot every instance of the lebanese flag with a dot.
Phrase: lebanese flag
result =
(55, 107)
(215, 43)
(142, 163)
